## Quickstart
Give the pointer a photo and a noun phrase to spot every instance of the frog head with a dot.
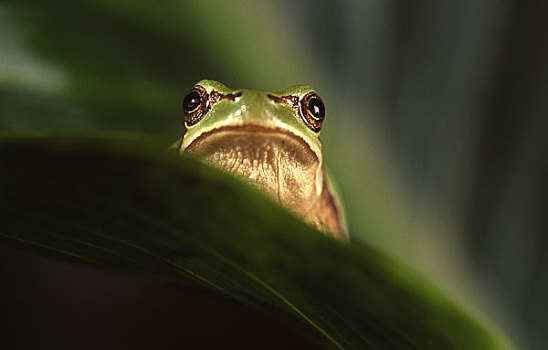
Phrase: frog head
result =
(295, 113)
(271, 139)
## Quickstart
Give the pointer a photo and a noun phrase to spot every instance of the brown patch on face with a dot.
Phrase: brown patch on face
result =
(215, 96)
(290, 100)
(232, 97)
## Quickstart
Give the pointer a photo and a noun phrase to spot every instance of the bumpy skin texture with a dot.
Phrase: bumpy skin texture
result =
(262, 137)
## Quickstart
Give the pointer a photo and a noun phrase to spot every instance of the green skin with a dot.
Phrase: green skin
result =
(253, 107)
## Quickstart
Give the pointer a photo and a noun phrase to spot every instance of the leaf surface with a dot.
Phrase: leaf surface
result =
(125, 204)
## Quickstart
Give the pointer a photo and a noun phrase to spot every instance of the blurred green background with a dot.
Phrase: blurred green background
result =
(436, 113)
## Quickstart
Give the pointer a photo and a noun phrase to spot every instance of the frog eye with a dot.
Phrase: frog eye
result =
(312, 111)
(195, 105)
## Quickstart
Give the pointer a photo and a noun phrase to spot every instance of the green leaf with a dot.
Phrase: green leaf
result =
(128, 205)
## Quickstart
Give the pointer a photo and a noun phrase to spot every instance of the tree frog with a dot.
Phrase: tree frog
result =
(271, 139)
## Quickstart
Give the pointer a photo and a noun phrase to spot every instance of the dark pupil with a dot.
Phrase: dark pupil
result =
(191, 102)
(316, 108)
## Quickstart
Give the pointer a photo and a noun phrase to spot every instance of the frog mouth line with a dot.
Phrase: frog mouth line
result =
(234, 136)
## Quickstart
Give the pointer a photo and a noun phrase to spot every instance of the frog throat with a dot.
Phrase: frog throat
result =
(264, 154)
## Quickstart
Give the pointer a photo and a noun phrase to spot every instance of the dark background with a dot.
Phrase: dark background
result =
(435, 134)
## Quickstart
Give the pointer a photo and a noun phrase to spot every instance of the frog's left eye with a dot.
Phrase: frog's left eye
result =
(195, 105)
(312, 111)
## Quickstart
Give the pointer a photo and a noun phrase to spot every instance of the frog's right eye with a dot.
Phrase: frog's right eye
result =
(312, 111)
(195, 105)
